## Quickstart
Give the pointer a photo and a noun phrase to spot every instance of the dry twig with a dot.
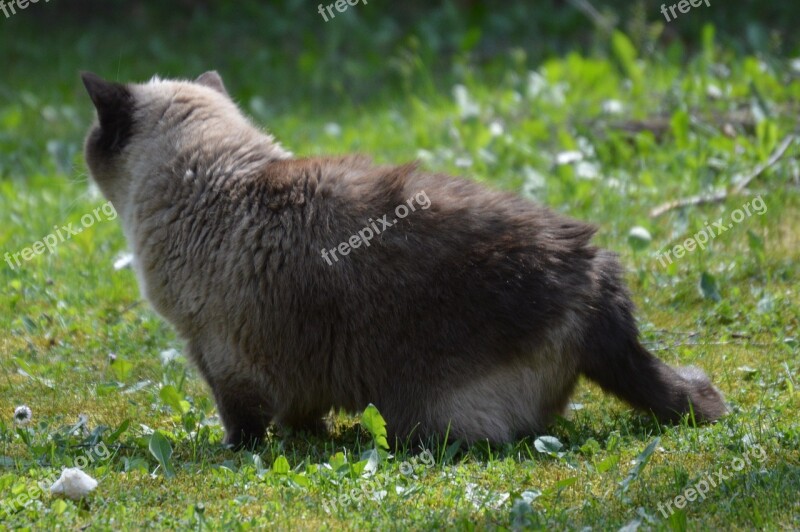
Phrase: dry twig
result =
(722, 195)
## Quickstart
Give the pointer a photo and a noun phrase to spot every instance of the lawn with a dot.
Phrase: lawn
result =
(604, 118)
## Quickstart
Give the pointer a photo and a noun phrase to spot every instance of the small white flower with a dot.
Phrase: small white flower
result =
(714, 92)
(536, 84)
(424, 155)
(613, 107)
(112, 357)
(333, 129)
(496, 129)
(74, 484)
(22, 415)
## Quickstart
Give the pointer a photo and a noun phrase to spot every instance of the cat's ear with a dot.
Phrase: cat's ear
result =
(114, 103)
(214, 80)
(109, 98)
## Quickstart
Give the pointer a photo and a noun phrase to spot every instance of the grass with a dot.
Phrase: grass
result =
(640, 124)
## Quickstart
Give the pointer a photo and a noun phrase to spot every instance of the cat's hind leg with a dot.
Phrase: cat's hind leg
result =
(244, 408)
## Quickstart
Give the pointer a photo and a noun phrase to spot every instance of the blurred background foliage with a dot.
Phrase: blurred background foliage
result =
(364, 52)
(282, 58)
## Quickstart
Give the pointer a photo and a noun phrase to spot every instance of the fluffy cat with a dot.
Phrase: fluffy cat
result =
(473, 315)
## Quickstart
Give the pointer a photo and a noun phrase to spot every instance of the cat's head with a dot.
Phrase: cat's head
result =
(141, 127)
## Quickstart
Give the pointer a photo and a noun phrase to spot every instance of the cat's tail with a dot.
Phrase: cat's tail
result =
(613, 357)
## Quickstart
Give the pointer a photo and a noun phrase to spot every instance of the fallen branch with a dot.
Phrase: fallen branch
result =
(707, 344)
(722, 195)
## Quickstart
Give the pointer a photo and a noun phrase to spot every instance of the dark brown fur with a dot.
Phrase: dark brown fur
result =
(475, 315)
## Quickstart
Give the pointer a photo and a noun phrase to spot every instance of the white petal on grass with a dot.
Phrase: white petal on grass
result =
(377, 496)
(124, 260)
(640, 233)
(74, 484)
(22, 415)
(613, 107)
(568, 157)
(481, 498)
(169, 355)
(587, 170)
(496, 129)
(639, 238)
(468, 107)
(714, 92)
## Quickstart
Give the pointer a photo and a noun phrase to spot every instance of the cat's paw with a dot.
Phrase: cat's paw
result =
(240, 439)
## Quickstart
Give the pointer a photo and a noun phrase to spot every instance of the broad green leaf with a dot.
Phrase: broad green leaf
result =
(708, 43)
(372, 420)
(548, 445)
(625, 52)
(59, 506)
(607, 463)
(281, 466)
(709, 288)
(121, 369)
(641, 462)
(172, 398)
(680, 128)
(590, 447)
(339, 463)
(561, 484)
(161, 449)
(300, 480)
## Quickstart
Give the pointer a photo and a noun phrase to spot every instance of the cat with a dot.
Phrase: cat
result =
(472, 315)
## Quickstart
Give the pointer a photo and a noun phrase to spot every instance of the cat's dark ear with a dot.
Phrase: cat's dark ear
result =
(114, 103)
(214, 80)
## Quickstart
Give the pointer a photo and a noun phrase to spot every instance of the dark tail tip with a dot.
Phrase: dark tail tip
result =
(707, 402)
